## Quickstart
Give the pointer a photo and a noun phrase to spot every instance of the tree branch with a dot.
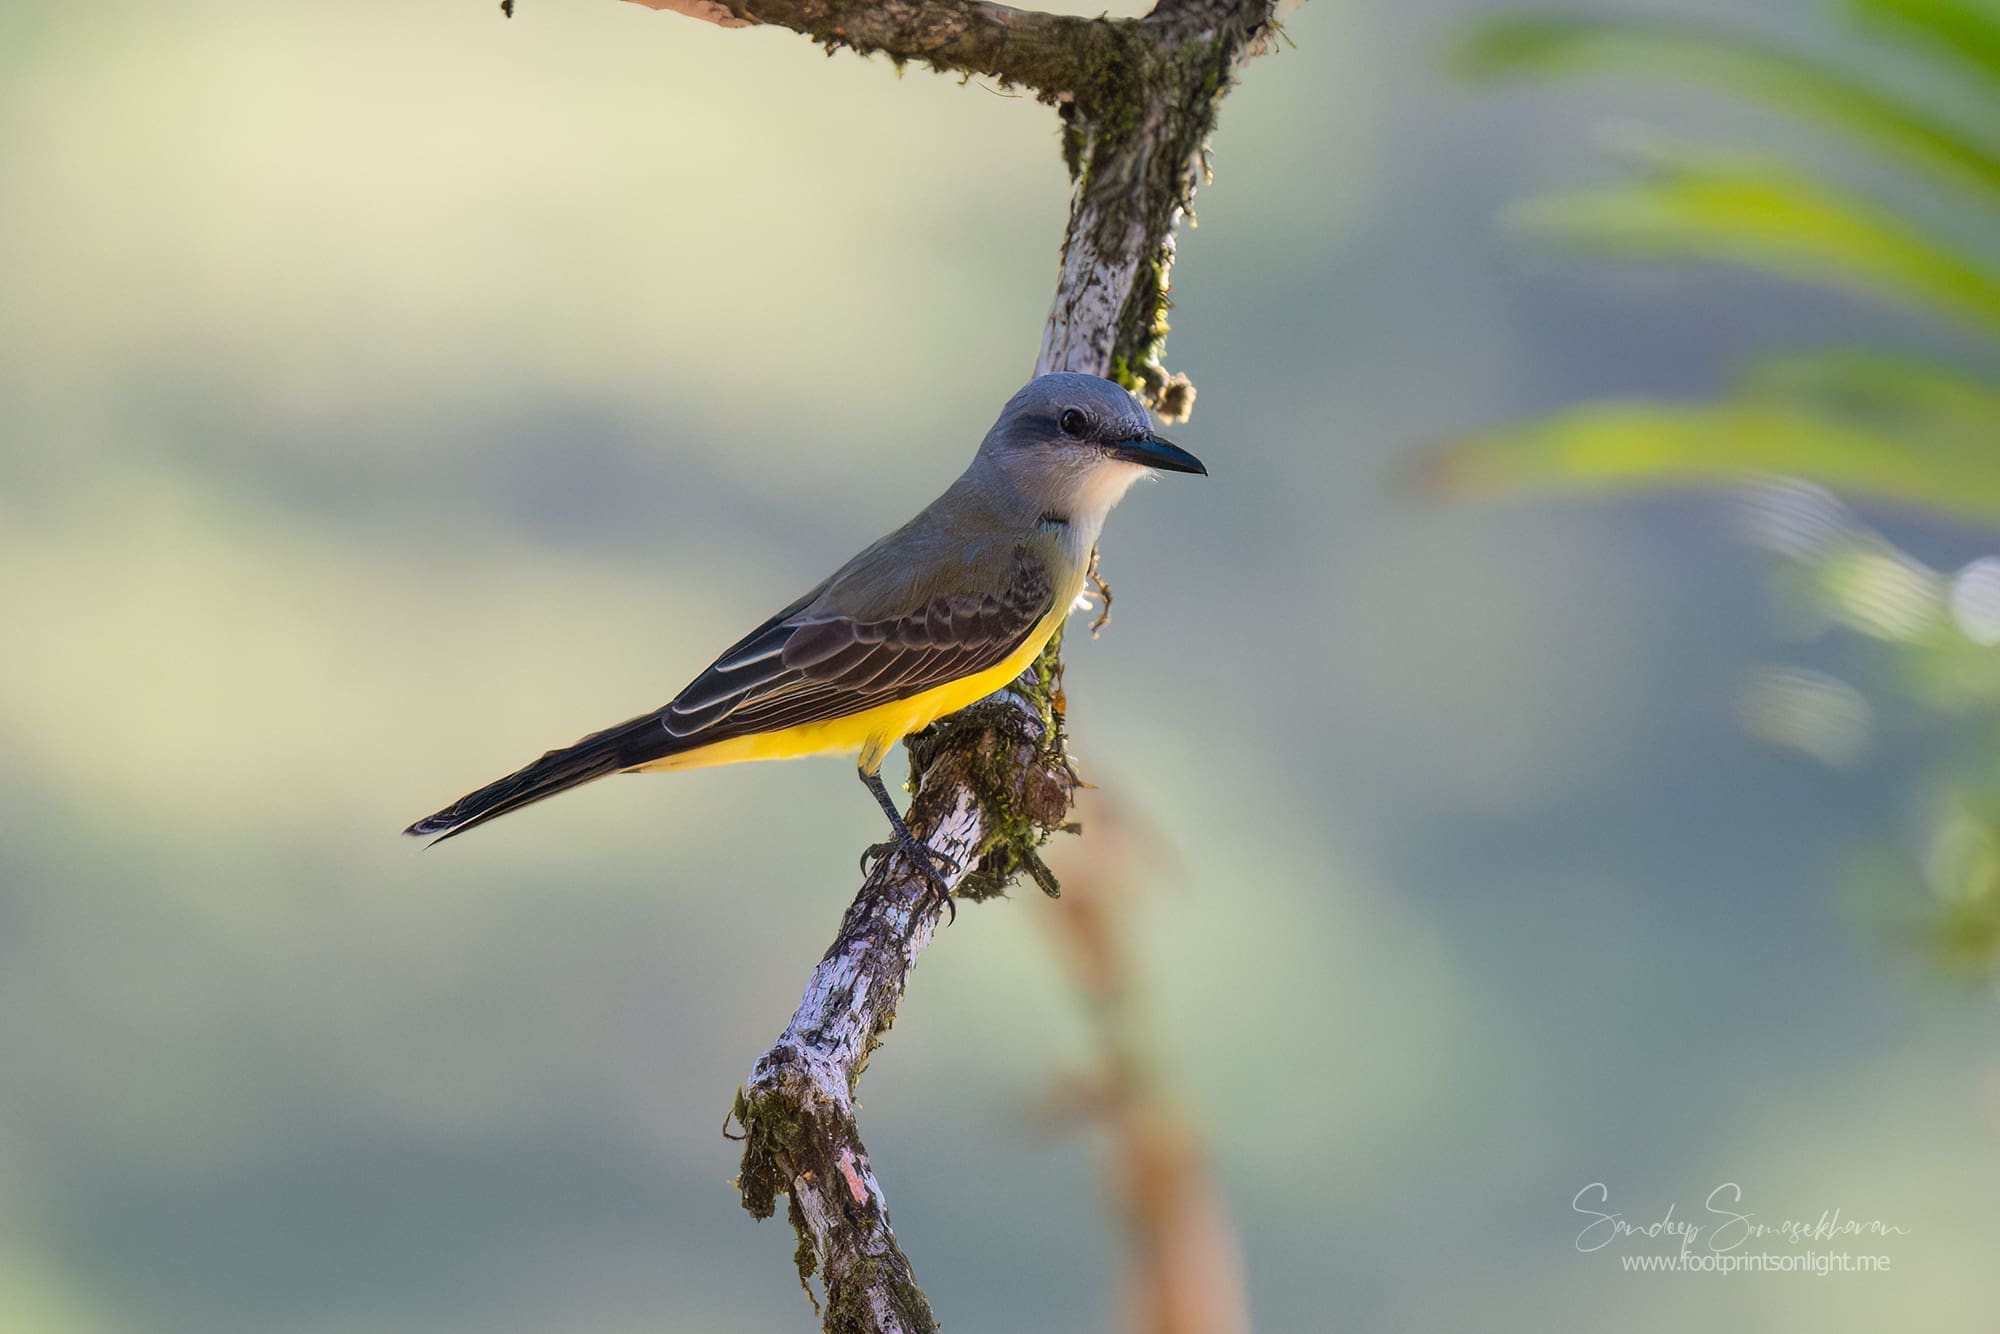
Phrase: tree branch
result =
(1136, 162)
(988, 785)
(1060, 56)
(1057, 55)
(1138, 99)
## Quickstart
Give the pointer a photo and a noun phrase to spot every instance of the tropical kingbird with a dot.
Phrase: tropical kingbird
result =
(941, 613)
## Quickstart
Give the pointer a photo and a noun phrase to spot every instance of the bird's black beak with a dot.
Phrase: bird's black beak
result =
(1151, 451)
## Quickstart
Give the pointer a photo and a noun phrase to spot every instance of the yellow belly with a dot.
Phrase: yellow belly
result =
(873, 731)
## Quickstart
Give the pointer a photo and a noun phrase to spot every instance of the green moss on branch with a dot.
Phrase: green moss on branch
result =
(1059, 56)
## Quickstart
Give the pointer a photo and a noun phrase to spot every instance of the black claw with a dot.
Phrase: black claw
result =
(931, 864)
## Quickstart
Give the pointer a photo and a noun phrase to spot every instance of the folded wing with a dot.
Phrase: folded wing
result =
(804, 665)
(810, 667)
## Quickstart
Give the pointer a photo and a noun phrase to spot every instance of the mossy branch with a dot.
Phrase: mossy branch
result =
(991, 784)
(1138, 100)
(1058, 56)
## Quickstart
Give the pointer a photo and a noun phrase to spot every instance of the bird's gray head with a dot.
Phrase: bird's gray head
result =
(1070, 445)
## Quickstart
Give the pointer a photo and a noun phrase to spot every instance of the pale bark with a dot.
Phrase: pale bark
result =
(1138, 100)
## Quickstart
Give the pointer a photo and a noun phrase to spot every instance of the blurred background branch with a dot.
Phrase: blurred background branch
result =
(1183, 1272)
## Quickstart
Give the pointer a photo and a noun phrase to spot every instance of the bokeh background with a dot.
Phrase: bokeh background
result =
(391, 392)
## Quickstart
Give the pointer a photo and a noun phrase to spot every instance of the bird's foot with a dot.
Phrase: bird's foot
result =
(931, 864)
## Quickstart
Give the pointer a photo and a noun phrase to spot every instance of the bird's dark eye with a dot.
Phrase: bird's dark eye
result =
(1073, 423)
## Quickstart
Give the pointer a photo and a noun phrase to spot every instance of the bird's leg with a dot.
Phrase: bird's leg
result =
(930, 863)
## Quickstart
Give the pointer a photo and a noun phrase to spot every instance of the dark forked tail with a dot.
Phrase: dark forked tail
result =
(600, 753)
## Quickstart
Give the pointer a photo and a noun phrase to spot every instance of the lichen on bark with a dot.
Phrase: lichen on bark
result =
(1137, 99)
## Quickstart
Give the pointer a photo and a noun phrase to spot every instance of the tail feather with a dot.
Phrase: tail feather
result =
(621, 747)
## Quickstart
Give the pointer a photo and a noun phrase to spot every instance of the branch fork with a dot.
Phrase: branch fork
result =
(1138, 100)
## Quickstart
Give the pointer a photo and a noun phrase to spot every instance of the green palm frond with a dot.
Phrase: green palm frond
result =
(1867, 424)
(1605, 447)
(1766, 216)
(1545, 45)
(1863, 424)
(1918, 400)
(1960, 32)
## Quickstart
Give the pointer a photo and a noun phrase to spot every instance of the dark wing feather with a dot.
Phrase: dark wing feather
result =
(799, 667)
(809, 668)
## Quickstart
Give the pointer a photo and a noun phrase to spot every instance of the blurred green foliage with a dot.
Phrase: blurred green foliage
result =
(1871, 425)
(393, 391)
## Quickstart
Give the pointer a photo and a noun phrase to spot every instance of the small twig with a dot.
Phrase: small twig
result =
(1095, 578)
(1038, 871)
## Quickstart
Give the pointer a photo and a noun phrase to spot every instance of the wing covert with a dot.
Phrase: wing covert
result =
(800, 668)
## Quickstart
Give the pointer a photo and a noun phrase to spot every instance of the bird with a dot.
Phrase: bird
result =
(939, 614)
